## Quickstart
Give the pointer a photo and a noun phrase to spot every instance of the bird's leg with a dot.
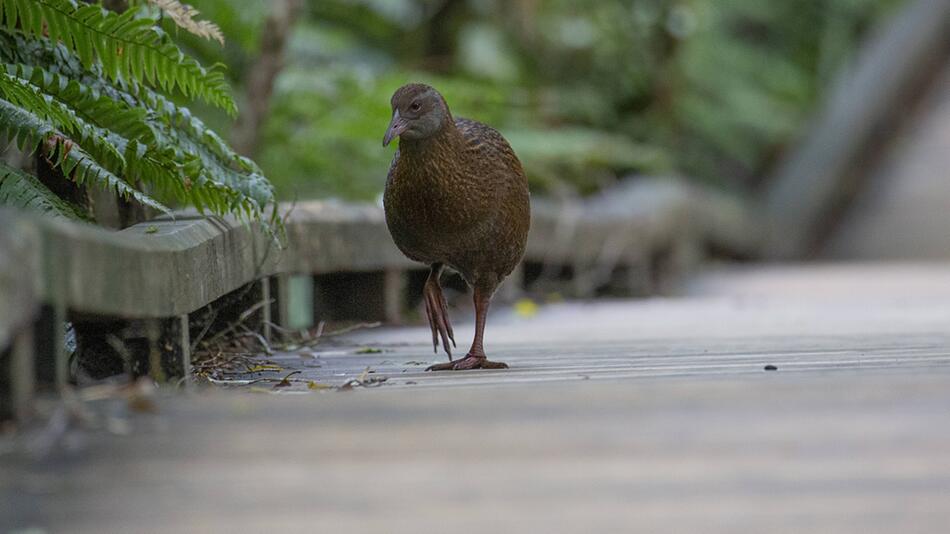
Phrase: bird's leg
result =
(437, 311)
(475, 359)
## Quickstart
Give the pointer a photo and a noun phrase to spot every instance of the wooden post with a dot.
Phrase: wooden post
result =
(22, 375)
(283, 299)
(153, 332)
(394, 288)
(60, 358)
(185, 340)
(266, 318)
(295, 301)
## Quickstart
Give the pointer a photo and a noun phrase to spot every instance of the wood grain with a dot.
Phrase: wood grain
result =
(625, 416)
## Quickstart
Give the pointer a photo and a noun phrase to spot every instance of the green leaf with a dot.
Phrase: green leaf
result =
(127, 45)
(20, 190)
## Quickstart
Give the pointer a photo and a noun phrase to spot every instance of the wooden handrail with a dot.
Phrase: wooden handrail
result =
(168, 268)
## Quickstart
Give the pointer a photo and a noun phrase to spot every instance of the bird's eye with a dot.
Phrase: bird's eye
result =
(415, 106)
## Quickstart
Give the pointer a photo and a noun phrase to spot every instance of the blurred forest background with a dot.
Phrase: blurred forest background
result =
(587, 91)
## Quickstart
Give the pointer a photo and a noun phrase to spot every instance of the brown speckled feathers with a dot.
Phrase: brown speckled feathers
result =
(460, 198)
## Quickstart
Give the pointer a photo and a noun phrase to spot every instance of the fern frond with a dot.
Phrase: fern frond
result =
(164, 147)
(183, 15)
(94, 107)
(177, 127)
(97, 140)
(30, 131)
(20, 190)
(156, 152)
(127, 46)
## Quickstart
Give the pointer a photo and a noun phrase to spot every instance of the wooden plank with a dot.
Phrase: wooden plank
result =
(19, 307)
(642, 416)
(165, 268)
(812, 179)
(19, 261)
(707, 449)
(853, 454)
(22, 376)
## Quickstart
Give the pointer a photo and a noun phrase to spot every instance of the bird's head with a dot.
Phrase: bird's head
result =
(419, 112)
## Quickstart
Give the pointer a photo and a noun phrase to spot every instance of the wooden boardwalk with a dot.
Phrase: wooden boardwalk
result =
(624, 416)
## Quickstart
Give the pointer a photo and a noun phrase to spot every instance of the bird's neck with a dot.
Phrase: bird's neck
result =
(445, 146)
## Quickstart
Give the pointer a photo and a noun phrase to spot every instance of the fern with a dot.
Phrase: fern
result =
(95, 107)
(21, 190)
(162, 111)
(103, 127)
(177, 136)
(100, 141)
(128, 46)
(184, 17)
(30, 131)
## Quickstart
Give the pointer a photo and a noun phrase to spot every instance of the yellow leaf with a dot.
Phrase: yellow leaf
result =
(264, 368)
(526, 308)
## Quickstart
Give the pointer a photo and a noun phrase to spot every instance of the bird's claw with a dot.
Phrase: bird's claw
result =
(438, 315)
(468, 362)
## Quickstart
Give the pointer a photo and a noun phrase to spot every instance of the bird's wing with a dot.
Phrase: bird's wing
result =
(487, 143)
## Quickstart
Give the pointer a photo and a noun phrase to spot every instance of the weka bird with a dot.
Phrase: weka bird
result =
(456, 195)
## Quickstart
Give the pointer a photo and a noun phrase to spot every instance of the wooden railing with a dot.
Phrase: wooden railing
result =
(167, 268)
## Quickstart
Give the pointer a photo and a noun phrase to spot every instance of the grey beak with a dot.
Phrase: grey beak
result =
(396, 127)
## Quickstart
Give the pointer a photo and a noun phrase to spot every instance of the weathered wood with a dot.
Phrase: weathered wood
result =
(184, 340)
(394, 290)
(295, 301)
(22, 375)
(762, 453)
(811, 181)
(164, 268)
(266, 301)
(167, 268)
(638, 228)
(20, 260)
(627, 416)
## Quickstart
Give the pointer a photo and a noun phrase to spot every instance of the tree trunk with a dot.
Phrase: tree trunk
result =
(259, 83)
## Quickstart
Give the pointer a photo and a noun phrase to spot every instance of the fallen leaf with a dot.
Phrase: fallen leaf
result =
(369, 350)
(264, 368)
(284, 382)
(363, 375)
(526, 308)
(313, 385)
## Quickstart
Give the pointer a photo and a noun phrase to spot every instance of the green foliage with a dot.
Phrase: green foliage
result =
(85, 101)
(720, 85)
(126, 45)
(21, 190)
(30, 130)
(326, 128)
(586, 90)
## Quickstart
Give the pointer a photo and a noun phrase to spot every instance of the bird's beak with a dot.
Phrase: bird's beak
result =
(396, 127)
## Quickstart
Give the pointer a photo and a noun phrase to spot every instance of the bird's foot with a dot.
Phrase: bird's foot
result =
(438, 314)
(468, 362)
